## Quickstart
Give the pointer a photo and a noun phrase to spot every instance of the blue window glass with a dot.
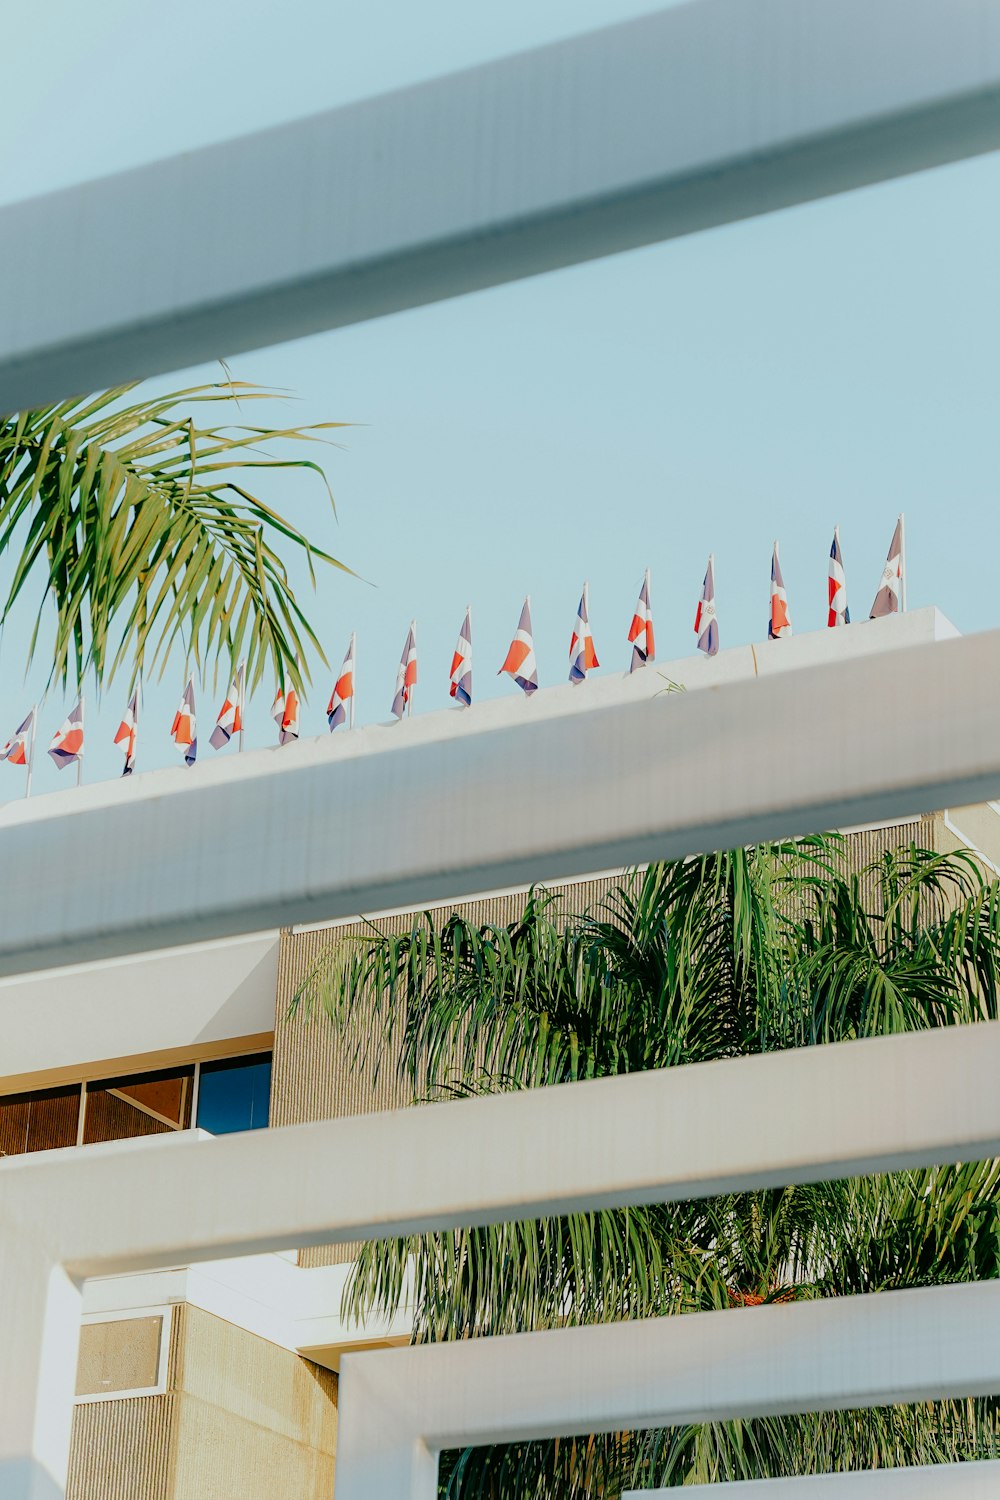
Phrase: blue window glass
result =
(234, 1094)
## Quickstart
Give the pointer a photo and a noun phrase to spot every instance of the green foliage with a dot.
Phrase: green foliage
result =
(753, 950)
(141, 528)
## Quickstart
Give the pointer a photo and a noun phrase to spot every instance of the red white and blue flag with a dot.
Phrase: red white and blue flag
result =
(460, 687)
(706, 626)
(888, 598)
(839, 613)
(285, 713)
(16, 749)
(779, 624)
(582, 655)
(230, 720)
(519, 662)
(67, 742)
(343, 691)
(184, 729)
(641, 630)
(127, 733)
(406, 677)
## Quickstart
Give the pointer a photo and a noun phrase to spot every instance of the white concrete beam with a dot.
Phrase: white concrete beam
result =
(808, 1115)
(803, 1116)
(432, 808)
(143, 1010)
(971, 1481)
(692, 117)
(398, 1408)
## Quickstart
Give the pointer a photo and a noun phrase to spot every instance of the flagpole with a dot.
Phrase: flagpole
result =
(135, 722)
(902, 561)
(31, 748)
(350, 706)
(241, 673)
(79, 759)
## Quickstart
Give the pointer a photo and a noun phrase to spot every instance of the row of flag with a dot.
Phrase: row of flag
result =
(520, 664)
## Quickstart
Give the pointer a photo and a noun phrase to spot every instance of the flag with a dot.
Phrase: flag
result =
(461, 663)
(16, 749)
(519, 662)
(839, 613)
(705, 624)
(779, 624)
(406, 677)
(887, 599)
(185, 726)
(343, 690)
(126, 732)
(230, 720)
(67, 742)
(641, 630)
(285, 714)
(582, 655)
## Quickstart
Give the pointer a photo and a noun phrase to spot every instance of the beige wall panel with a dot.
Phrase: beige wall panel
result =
(253, 1421)
(219, 1456)
(977, 825)
(241, 1420)
(257, 1382)
(122, 1450)
(121, 1354)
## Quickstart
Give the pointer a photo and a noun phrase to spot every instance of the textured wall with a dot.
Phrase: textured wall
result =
(122, 1450)
(314, 1075)
(241, 1420)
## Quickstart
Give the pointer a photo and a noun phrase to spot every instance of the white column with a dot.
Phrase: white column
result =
(379, 1457)
(39, 1339)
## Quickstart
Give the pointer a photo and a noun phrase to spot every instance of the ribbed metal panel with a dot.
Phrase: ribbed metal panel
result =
(123, 1450)
(872, 843)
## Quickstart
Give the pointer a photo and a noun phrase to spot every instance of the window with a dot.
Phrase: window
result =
(39, 1121)
(221, 1096)
(234, 1094)
(116, 1109)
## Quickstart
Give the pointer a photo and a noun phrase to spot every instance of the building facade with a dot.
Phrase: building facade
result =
(221, 1379)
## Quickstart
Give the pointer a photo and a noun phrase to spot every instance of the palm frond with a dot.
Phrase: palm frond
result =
(141, 529)
(726, 955)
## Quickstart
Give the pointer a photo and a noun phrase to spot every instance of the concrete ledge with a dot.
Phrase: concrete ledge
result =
(455, 804)
(973, 1481)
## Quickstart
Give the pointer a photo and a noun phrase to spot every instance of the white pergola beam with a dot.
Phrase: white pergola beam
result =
(971, 1481)
(396, 817)
(800, 1116)
(688, 118)
(400, 1407)
(806, 1115)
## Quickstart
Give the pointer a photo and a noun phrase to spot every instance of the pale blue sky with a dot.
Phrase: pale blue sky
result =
(832, 363)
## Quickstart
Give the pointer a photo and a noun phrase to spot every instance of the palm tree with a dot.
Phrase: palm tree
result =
(139, 524)
(753, 950)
